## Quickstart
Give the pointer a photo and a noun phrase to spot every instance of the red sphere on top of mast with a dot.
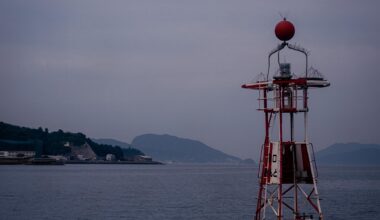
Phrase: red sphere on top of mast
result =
(284, 30)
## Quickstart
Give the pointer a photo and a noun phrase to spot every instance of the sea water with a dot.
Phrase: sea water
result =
(169, 192)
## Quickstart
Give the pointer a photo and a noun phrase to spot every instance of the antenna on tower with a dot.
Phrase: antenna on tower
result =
(283, 15)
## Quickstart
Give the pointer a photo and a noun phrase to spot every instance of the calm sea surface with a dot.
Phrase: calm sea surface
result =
(168, 192)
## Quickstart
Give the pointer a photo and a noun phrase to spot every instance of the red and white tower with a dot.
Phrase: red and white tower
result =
(287, 171)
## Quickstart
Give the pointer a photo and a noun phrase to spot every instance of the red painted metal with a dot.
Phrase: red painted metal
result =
(286, 165)
(280, 158)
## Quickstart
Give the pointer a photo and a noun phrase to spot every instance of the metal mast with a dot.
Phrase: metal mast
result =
(287, 170)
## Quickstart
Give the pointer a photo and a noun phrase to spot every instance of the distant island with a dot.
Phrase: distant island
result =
(77, 148)
(172, 149)
(353, 154)
(20, 144)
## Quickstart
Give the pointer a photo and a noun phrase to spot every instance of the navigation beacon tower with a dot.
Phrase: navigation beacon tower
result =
(287, 171)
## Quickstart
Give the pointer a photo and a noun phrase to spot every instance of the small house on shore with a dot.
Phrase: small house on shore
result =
(22, 149)
(110, 157)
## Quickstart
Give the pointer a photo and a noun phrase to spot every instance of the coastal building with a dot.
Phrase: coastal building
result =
(110, 157)
(57, 157)
(10, 148)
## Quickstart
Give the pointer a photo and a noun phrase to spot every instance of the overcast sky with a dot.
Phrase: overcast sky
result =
(118, 69)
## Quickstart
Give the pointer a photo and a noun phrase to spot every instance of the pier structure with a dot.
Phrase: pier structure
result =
(287, 171)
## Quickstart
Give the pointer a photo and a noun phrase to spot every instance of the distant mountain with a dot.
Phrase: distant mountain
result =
(248, 161)
(350, 154)
(175, 149)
